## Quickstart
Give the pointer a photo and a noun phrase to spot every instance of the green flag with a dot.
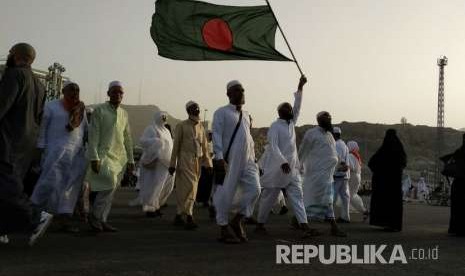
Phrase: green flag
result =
(193, 30)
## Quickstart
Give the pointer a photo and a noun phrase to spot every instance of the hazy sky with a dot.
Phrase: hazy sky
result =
(366, 60)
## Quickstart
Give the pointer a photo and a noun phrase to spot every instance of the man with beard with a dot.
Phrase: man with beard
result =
(281, 165)
(319, 159)
(233, 147)
(21, 105)
(64, 164)
(190, 148)
(109, 150)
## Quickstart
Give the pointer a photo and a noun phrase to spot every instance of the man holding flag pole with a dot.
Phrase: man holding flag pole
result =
(198, 31)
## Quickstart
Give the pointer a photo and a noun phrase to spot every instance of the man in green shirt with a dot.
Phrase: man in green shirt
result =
(110, 149)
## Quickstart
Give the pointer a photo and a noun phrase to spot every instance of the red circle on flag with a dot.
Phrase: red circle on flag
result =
(217, 34)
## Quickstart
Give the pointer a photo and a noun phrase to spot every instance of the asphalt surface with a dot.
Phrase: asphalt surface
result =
(153, 246)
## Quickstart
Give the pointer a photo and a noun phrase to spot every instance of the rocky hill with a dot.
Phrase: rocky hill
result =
(419, 142)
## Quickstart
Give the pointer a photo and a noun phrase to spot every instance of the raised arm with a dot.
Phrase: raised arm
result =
(298, 98)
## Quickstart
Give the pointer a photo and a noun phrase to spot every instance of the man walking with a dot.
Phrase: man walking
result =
(234, 154)
(342, 176)
(189, 150)
(21, 105)
(319, 159)
(64, 164)
(281, 165)
(110, 149)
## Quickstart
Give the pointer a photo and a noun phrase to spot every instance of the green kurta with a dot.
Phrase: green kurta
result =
(110, 142)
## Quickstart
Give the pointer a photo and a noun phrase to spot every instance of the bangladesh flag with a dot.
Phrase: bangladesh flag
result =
(193, 30)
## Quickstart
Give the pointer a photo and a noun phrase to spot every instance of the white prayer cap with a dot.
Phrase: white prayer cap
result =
(321, 114)
(337, 130)
(114, 84)
(190, 103)
(89, 109)
(233, 83)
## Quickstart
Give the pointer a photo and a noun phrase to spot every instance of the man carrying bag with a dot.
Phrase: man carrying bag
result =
(235, 160)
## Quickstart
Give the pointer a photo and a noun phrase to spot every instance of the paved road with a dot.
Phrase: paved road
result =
(154, 247)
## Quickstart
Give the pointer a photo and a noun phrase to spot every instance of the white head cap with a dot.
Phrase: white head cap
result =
(337, 130)
(190, 103)
(232, 83)
(114, 84)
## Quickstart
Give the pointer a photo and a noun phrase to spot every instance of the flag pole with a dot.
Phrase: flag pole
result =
(285, 39)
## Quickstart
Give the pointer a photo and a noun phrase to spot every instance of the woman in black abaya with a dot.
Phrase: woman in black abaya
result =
(387, 165)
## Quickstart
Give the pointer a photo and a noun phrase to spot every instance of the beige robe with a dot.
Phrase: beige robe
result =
(189, 150)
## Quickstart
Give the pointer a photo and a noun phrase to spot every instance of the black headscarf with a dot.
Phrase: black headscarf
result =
(390, 154)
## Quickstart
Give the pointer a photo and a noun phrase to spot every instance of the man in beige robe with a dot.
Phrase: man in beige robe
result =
(189, 150)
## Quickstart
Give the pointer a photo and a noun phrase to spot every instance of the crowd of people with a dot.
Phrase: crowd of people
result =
(72, 147)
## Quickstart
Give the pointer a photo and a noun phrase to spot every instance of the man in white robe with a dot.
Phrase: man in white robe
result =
(422, 189)
(238, 160)
(341, 177)
(281, 166)
(157, 146)
(64, 163)
(318, 157)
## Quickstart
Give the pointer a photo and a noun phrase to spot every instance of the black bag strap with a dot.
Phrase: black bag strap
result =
(232, 137)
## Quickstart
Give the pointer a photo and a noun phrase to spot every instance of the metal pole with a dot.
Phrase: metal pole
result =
(285, 39)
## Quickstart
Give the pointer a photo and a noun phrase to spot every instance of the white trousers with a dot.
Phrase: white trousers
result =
(101, 202)
(355, 200)
(246, 182)
(295, 199)
(167, 190)
(341, 189)
(151, 186)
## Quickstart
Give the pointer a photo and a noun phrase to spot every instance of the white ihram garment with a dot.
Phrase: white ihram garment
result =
(282, 149)
(341, 180)
(318, 156)
(63, 164)
(354, 183)
(242, 171)
(157, 145)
